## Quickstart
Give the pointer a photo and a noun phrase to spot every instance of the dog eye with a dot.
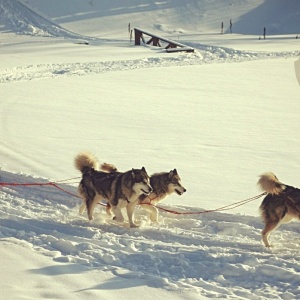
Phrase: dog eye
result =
(140, 181)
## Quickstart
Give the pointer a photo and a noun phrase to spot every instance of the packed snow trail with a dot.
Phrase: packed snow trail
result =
(216, 254)
(210, 55)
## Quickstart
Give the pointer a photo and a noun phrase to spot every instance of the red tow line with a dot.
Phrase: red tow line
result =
(226, 207)
(54, 184)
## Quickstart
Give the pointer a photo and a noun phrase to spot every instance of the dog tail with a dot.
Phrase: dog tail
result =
(84, 161)
(109, 168)
(269, 183)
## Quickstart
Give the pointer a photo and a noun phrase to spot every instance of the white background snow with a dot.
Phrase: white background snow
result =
(221, 115)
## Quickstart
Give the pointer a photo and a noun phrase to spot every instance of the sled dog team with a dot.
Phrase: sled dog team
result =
(123, 189)
(127, 189)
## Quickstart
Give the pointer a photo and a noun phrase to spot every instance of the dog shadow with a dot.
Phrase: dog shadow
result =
(115, 283)
(61, 269)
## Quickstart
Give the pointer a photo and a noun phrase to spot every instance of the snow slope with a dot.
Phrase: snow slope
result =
(221, 116)
(19, 18)
(107, 18)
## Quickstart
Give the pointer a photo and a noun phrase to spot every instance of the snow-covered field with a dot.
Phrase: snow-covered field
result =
(221, 116)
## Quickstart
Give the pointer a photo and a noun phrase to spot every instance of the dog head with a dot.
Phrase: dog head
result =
(141, 181)
(174, 183)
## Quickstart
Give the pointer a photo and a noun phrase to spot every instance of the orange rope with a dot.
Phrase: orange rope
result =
(40, 184)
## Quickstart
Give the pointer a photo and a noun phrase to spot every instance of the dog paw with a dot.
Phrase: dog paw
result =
(119, 220)
(154, 220)
(154, 223)
(133, 225)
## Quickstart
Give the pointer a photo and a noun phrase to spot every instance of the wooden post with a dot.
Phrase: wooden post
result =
(137, 37)
(156, 42)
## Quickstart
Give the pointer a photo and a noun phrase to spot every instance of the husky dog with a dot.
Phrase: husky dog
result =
(119, 189)
(163, 184)
(281, 205)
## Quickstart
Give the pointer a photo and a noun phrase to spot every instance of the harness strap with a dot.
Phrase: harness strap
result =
(150, 199)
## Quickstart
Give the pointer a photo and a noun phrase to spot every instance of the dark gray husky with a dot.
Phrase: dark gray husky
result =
(281, 205)
(119, 189)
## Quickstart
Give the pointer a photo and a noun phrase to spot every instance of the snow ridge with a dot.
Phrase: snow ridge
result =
(205, 54)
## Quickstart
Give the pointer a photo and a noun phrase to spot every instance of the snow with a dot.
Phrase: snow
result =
(222, 116)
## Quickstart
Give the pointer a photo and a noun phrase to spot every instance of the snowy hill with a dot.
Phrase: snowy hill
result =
(221, 116)
(22, 19)
(176, 17)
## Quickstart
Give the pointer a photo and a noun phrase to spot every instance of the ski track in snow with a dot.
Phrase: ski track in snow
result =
(215, 254)
(203, 55)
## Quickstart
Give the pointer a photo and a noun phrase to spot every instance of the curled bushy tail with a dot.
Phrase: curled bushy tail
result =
(109, 168)
(269, 183)
(85, 160)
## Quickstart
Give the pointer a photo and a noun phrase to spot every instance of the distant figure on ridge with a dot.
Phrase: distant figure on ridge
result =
(265, 33)
(130, 35)
(222, 27)
(230, 26)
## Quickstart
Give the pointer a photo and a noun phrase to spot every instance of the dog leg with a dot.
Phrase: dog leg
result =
(108, 209)
(153, 212)
(82, 208)
(90, 205)
(118, 214)
(130, 209)
(270, 226)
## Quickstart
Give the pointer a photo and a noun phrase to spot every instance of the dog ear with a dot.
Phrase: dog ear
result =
(143, 169)
(171, 174)
(175, 172)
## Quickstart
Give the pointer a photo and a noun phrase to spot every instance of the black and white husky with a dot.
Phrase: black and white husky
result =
(119, 189)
